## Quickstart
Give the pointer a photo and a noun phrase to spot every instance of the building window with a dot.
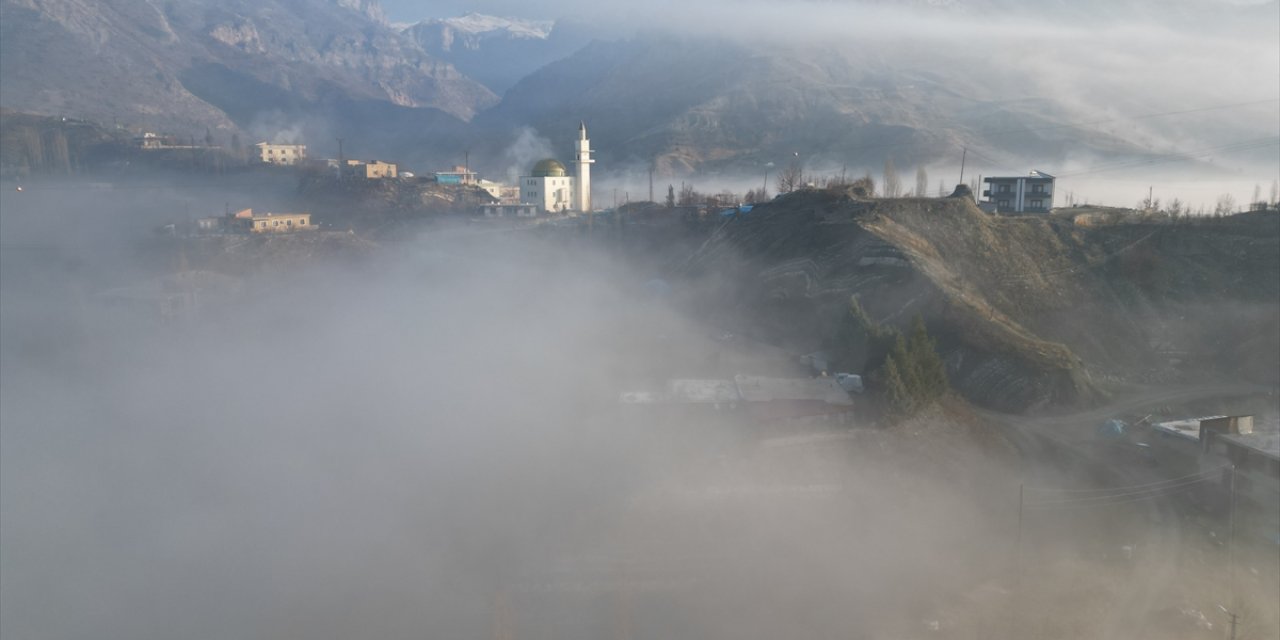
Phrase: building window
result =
(1004, 188)
(1037, 188)
(1002, 204)
(1037, 204)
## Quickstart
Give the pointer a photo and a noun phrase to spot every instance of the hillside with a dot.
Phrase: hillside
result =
(1028, 312)
(494, 51)
(918, 87)
(277, 68)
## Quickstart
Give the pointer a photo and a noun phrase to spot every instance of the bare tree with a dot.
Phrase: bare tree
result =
(1275, 192)
(33, 146)
(922, 182)
(59, 154)
(688, 195)
(791, 178)
(1226, 205)
(892, 186)
(864, 186)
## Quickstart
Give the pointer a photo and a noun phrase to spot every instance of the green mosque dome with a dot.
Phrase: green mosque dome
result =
(549, 168)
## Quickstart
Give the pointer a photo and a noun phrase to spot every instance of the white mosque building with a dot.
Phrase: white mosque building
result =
(550, 187)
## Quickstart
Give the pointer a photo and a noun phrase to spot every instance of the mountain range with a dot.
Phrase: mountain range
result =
(677, 99)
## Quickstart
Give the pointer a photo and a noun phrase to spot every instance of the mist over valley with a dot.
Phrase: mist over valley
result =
(728, 319)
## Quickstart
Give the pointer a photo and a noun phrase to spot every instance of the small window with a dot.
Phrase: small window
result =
(1004, 188)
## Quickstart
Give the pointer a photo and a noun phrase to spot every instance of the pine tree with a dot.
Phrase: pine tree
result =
(901, 356)
(926, 364)
(897, 396)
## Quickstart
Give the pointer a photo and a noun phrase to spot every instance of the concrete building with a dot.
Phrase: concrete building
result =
(149, 140)
(458, 175)
(371, 170)
(757, 398)
(510, 210)
(1032, 193)
(495, 189)
(246, 221)
(281, 154)
(550, 186)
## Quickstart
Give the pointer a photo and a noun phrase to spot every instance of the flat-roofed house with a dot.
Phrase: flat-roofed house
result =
(281, 154)
(1032, 193)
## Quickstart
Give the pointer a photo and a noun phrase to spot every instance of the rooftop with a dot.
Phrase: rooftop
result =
(1266, 443)
(757, 389)
(742, 389)
(1188, 428)
(549, 168)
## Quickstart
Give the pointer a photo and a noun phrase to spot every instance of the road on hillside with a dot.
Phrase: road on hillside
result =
(1048, 438)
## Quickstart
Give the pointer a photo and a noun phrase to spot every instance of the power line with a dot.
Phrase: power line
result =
(1208, 472)
(1105, 499)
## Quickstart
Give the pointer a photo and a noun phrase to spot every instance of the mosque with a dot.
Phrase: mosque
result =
(550, 187)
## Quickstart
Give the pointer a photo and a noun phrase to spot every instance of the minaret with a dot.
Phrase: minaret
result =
(583, 160)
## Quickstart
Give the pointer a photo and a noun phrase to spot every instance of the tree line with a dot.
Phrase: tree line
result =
(906, 370)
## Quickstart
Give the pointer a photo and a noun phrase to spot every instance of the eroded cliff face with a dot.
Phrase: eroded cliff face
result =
(139, 61)
(1028, 312)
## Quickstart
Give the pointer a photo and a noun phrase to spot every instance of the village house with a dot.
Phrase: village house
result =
(149, 140)
(281, 154)
(1032, 193)
(457, 175)
(1233, 457)
(246, 221)
(367, 170)
(510, 210)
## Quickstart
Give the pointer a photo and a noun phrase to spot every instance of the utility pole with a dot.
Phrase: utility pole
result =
(341, 161)
(1018, 553)
(964, 154)
(1231, 546)
(1235, 618)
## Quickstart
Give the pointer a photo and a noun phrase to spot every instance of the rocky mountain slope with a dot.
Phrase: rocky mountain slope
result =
(496, 52)
(854, 84)
(712, 105)
(1028, 311)
(263, 67)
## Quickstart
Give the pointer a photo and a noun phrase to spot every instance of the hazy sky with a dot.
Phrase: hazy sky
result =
(660, 11)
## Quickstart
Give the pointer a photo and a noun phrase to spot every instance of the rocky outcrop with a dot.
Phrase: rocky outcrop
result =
(139, 62)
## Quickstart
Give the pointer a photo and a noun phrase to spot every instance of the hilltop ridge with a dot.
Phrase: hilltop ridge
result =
(1028, 312)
